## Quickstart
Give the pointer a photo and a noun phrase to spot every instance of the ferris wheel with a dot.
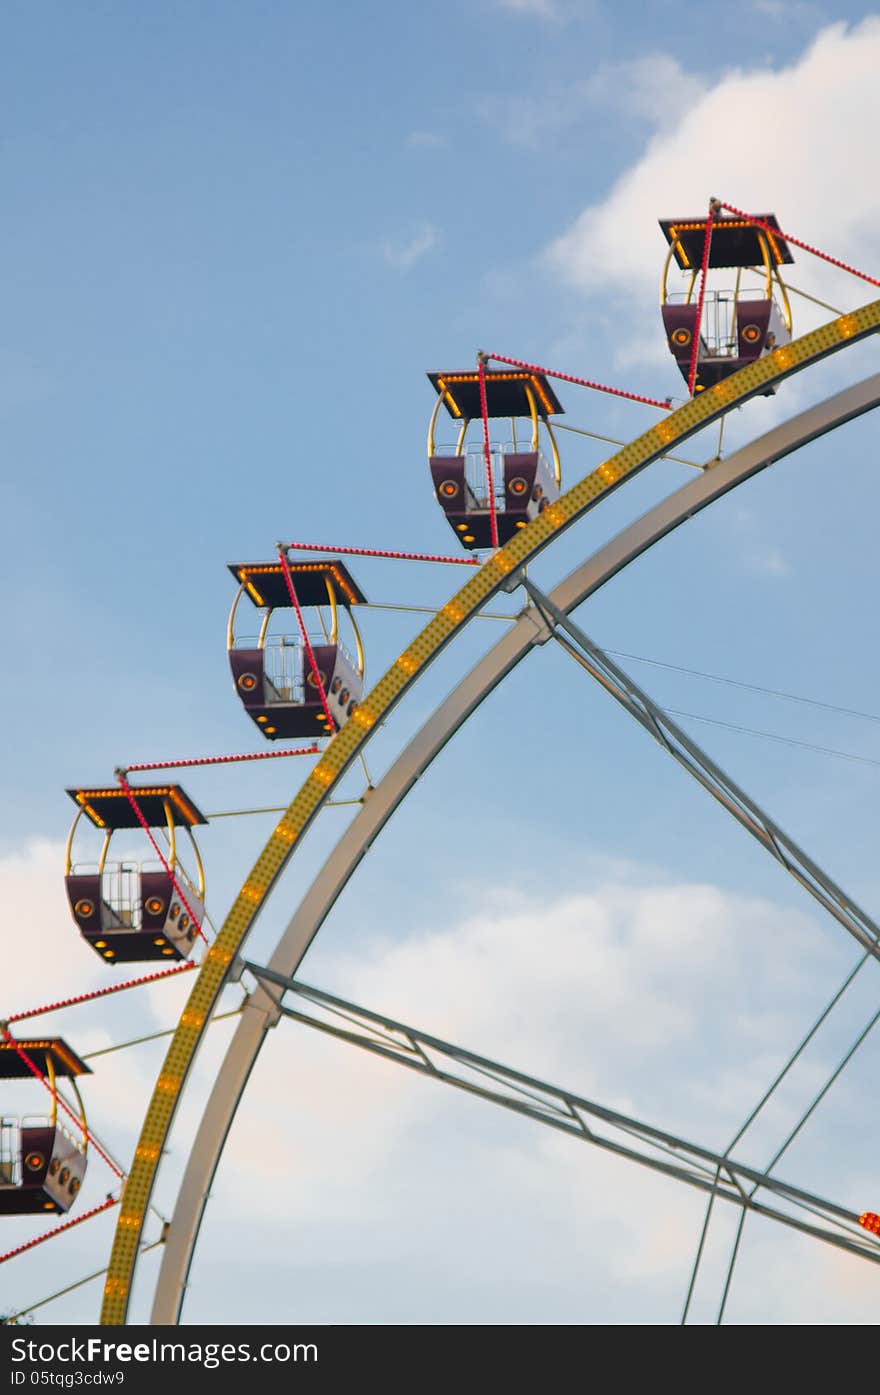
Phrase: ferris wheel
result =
(302, 677)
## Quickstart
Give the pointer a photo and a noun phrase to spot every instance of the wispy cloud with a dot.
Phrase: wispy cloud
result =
(613, 249)
(767, 561)
(550, 11)
(757, 556)
(428, 139)
(404, 255)
(543, 9)
(636, 91)
(788, 11)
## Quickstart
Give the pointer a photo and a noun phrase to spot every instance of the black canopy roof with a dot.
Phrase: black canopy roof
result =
(111, 808)
(267, 586)
(735, 241)
(505, 393)
(13, 1066)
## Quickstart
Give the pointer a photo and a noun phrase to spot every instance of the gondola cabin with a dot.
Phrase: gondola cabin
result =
(739, 323)
(132, 911)
(42, 1160)
(277, 676)
(523, 481)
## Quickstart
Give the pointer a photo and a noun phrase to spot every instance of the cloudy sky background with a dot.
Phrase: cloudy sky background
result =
(234, 243)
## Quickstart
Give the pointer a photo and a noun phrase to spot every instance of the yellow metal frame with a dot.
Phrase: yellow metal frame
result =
(554, 451)
(771, 273)
(52, 1081)
(359, 644)
(466, 421)
(68, 851)
(173, 860)
(175, 863)
(82, 1117)
(333, 601)
(334, 618)
(667, 433)
(50, 1072)
(230, 623)
(172, 837)
(433, 422)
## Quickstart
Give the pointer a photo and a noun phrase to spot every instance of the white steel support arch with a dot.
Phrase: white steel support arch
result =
(260, 1011)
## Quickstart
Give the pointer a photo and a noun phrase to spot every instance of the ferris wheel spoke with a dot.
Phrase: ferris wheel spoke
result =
(698, 764)
(719, 1175)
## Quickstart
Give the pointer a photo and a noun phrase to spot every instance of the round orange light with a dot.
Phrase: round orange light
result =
(154, 905)
(34, 1161)
(750, 333)
(681, 337)
(449, 489)
(518, 485)
(247, 682)
(85, 908)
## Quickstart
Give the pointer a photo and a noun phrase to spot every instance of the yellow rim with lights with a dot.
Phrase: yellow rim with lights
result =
(668, 433)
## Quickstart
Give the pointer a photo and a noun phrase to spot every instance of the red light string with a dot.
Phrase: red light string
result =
(704, 266)
(374, 552)
(869, 1220)
(224, 760)
(120, 775)
(805, 246)
(58, 1229)
(308, 648)
(493, 521)
(579, 382)
(56, 1095)
(100, 992)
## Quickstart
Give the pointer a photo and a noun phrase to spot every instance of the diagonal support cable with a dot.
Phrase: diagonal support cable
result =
(564, 1110)
(756, 1110)
(704, 770)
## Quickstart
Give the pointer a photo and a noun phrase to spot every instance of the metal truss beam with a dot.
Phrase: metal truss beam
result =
(704, 770)
(570, 1113)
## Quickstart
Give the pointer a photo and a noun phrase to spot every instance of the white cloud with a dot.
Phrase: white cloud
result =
(796, 141)
(404, 255)
(674, 1003)
(44, 949)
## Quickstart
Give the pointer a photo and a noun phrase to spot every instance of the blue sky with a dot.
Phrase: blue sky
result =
(235, 239)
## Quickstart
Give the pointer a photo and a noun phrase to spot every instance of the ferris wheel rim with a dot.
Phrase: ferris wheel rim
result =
(602, 566)
(651, 445)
